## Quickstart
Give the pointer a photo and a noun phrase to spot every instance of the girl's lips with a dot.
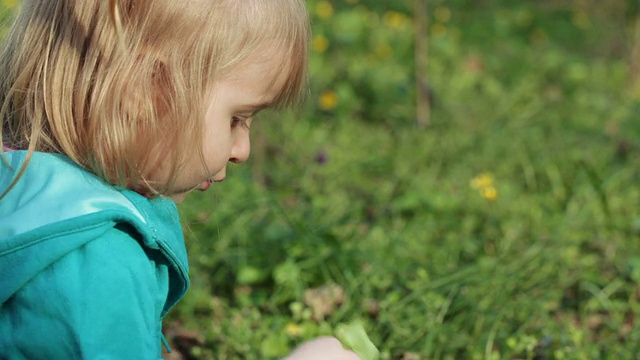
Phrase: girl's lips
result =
(205, 185)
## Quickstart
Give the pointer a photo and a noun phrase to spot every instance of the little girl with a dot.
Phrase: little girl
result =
(112, 111)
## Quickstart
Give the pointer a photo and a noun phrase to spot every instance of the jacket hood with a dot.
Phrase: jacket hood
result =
(56, 197)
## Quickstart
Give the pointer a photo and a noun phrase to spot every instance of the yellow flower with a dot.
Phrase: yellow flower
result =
(524, 18)
(384, 51)
(442, 14)
(10, 4)
(581, 19)
(293, 330)
(635, 91)
(490, 193)
(394, 19)
(539, 37)
(438, 30)
(481, 181)
(484, 183)
(328, 100)
(320, 44)
(324, 9)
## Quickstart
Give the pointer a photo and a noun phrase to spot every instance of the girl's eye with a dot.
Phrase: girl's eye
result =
(241, 121)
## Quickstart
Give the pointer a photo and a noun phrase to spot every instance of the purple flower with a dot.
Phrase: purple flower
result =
(321, 157)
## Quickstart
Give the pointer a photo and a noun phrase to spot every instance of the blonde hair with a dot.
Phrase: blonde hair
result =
(119, 86)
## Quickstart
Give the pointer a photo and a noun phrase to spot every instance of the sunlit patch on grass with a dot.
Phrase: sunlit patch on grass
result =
(10, 4)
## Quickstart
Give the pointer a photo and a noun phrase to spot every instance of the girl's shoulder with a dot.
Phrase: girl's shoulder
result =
(57, 207)
(56, 189)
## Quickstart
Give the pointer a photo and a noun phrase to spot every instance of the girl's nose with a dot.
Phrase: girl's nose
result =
(241, 148)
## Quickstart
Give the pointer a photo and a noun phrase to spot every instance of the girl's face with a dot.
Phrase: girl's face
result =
(233, 102)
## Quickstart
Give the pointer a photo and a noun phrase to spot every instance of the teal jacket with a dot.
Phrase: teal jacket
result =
(87, 271)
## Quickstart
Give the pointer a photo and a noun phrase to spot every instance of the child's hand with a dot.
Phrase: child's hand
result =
(324, 348)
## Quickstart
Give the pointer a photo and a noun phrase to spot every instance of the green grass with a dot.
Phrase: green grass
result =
(392, 218)
(357, 196)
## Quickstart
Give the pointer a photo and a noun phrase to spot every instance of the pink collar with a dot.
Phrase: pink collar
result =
(6, 148)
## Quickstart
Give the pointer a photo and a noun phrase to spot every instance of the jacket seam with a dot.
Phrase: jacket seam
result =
(51, 236)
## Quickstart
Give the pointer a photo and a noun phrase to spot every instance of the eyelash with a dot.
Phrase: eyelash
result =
(239, 121)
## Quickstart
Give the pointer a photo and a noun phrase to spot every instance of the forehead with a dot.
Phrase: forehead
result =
(266, 70)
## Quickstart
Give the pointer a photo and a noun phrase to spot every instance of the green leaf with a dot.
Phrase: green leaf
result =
(353, 337)
(275, 345)
(248, 275)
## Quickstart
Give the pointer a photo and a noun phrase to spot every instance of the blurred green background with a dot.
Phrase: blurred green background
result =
(508, 228)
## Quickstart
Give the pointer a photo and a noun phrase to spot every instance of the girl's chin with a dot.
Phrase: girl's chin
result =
(179, 197)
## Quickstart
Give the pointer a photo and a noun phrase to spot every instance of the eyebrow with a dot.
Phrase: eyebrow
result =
(258, 106)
